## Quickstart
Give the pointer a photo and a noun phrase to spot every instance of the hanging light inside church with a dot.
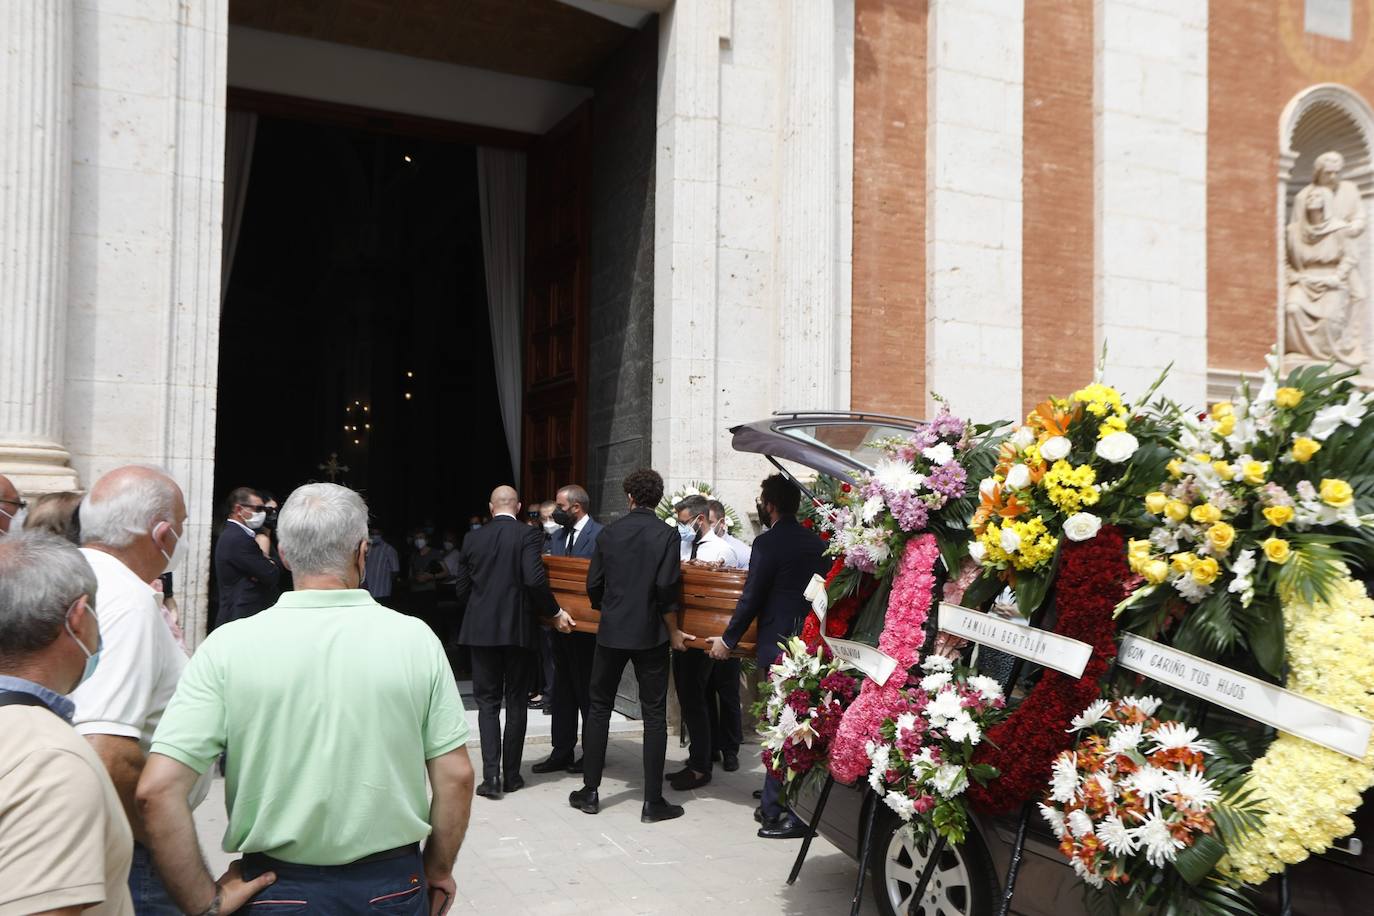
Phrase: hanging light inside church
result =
(406, 157)
(407, 395)
(410, 375)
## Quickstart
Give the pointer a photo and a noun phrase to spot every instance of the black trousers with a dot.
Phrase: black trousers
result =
(722, 703)
(651, 670)
(501, 672)
(572, 690)
(692, 678)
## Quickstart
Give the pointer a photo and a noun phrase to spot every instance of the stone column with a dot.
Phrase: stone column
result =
(974, 82)
(35, 206)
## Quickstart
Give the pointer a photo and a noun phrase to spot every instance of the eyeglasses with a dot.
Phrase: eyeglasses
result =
(21, 503)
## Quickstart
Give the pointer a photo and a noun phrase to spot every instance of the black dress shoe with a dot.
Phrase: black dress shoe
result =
(551, 765)
(515, 783)
(490, 788)
(758, 793)
(575, 766)
(731, 763)
(759, 815)
(661, 810)
(676, 774)
(535, 702)
(785, 826)
(715, 756)
(585, 799)
(688, 780)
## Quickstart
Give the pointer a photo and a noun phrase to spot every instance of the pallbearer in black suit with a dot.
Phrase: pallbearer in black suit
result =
(501, 581)
(635, 580)
(572, 652)
(247, 573)
(784, 559)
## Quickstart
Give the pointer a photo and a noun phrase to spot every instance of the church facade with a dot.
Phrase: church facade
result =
(837, 204)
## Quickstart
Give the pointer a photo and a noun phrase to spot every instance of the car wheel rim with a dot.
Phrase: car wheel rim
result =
(949, 892)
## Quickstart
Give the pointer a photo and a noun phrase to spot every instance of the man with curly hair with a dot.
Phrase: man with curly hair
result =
(635, 581)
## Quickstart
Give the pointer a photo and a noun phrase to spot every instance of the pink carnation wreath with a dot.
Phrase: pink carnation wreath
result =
(903, 632)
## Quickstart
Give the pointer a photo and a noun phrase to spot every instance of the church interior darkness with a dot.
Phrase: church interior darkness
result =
(356, 323)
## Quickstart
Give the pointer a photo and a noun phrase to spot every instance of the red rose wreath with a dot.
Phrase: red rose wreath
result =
(1091, 580)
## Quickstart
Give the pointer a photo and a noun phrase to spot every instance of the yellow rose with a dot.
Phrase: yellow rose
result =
(1205, 571)
(1304, 448)
(1206, 514)
(1137, 552)
(1226, 425)
(1254, 472)
(1220, 536)
(1224, 470)
(1276, 550)
(1336, 492)
(1278, 516)
(1176, 510)
(1184, 562)
(1223, 409)
(1288, 397)
(1175, 468)
(1155, 571)
(1155, 502)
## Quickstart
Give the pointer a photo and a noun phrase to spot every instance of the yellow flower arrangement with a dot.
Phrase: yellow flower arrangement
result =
(1224, 470)
(1336, 493)
(1288, 397)
(1176, 510)
(1276, 550)
(1036, 548)
(1221, 536)
(1154, 571)
(1206, 514)
(1309, 792)
(1304, 448)
(1155, 502)
(1254, 472)
(1223, 409)
(1175, 467)
(1278, 516)
(1205, 571)
(1184, 562)
(1101, 401)
(1071, 488)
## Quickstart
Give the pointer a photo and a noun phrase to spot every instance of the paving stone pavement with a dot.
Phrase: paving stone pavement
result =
(530, 853)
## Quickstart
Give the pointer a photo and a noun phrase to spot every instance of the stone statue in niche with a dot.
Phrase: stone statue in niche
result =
(1323, 304)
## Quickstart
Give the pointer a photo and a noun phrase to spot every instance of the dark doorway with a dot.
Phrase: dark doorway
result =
(356, 324)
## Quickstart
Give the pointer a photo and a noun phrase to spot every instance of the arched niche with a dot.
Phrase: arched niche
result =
(1322, 118)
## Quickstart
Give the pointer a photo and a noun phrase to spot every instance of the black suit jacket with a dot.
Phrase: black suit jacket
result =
(501, 579)
(247, 580)
(635, 578)
(584, 546)
(784, 559)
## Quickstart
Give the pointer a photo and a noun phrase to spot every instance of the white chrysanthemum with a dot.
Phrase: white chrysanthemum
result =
(1090, 878)
(1172, 735)
(1126, 738)
(933, 682)
(987, 687)
(872, 507)
(902, 806)
(1080, 825)
(941, 453)
(1090, 716)
(906, 722)
(1150, 781)
(897, 476)
(1116, 837)
(963, 728)
(1147, 705)
(875, 774)
(1104, 782)
(1194, 790)
(949, 780)
(945, 706)
(934, 663)
(1055, 818)
(1064, 780)
(1158, 842)
(787, 721)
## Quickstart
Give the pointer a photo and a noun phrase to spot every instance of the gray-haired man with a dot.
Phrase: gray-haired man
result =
(67, 844)
(333, 709)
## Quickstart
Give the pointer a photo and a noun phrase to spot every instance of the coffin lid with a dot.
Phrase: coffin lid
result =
(831, 442)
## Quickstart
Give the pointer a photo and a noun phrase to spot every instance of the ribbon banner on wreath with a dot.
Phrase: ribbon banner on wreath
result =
(1049, 650)
(872, 662)
(1301, 716)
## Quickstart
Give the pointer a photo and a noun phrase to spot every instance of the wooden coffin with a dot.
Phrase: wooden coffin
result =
(708, 600)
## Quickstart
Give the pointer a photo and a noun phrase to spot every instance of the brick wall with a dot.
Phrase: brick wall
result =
(1057, 215)
(888, 349)
(622, 269)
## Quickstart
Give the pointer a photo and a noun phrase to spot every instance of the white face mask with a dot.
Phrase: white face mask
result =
(420, 543)
(16, 519)
(178, 554)
(552, 527)
(256, 519)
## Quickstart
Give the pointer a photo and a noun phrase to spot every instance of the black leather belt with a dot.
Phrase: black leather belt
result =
(262, 859)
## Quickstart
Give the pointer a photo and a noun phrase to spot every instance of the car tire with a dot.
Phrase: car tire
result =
(964, 884)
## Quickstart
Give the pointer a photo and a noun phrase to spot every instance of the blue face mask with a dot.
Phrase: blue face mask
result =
(686, 532)
(92, 658)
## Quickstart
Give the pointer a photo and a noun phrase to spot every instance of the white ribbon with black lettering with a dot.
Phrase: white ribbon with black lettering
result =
(1031, 643)
(873, 663)
(1253, 698)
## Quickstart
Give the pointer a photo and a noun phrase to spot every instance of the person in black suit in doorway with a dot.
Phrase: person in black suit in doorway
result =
(635, 580)
(784, 559)
(501, 581)
(244, 567)
(572, 652)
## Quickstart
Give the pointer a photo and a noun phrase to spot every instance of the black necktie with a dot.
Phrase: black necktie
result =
(568, 544)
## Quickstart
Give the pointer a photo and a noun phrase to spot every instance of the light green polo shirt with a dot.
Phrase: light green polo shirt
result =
(328, 705)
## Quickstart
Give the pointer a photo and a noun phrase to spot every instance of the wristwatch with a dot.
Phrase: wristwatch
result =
(213, 908)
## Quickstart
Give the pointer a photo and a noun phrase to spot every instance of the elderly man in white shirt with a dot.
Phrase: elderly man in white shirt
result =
(720, 525)
(133, 525)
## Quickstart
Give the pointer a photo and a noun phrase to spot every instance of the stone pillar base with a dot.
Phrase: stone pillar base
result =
(36, 469)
